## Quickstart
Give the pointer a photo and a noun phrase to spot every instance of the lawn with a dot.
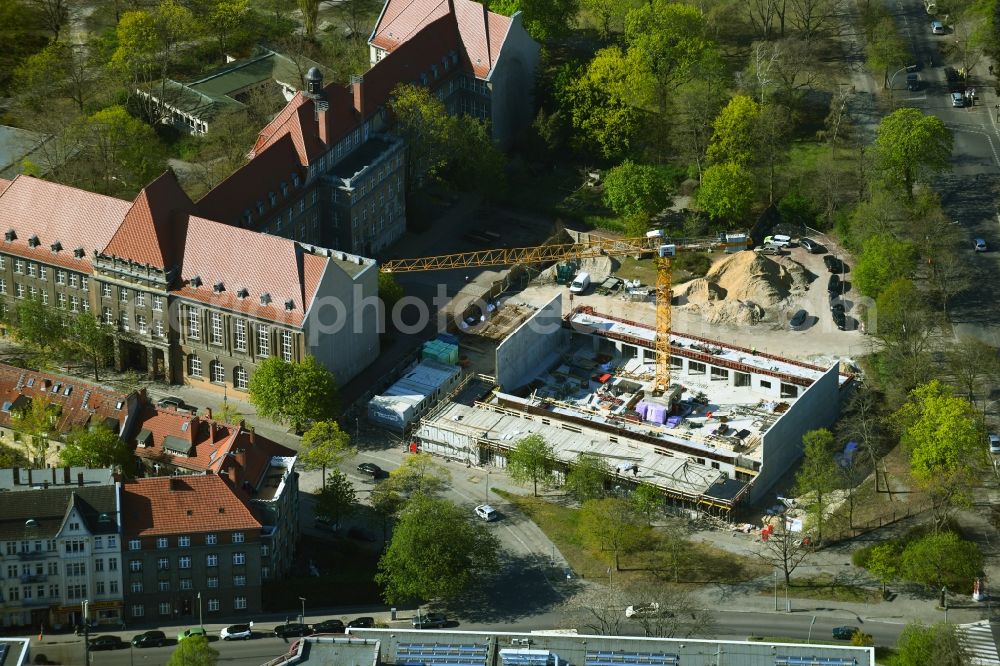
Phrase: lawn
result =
(826, 587)
(662, 559)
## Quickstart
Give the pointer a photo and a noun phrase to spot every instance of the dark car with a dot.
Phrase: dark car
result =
(834, 286)
(833, 264)
(844, 633)
(328, 627)
(370, 469)
(150, 639)
(106, 643)
(812, 246)
(913, 81)
(798, 319)
(176, 403)
(429, 621)
(292, 630)
(361, 623)
(839, 317)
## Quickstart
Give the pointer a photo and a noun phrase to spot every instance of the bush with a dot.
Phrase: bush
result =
(695, 263)
(859, 558)
(797, 209)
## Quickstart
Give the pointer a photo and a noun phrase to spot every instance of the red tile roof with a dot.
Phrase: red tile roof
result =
(52, 212)
(85, 403)
(298, 121)
(3, 184)
(183, 505)
(153, 229)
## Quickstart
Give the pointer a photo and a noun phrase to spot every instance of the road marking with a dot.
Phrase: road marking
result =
(989, 139)
(978, 641)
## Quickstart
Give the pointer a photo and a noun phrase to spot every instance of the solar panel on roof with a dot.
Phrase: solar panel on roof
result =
(440, 654)
(615, 658)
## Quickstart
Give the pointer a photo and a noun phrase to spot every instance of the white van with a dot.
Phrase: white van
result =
(580, 283)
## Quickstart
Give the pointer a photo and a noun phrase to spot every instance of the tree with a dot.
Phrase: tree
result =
(911, 147)
(610, 527)
(944, 438)
(337, 498)
(96, 447)
(647, 501)
(972, 366)
(297, 393)
(34, 426)
(941, 559)
(92, 340)
(437, 552)
(474, 161)
(58, 70)
(53, 13)
(323, 445)
(121, 153)
(811, 17)
(886, 49)
(693, 108)
(387, 502)
(356, 14)
(635, 189)
(883, 260)
(784, 551)
(423, 123)
(585, 480)
(38, 326)
(194, 651)
(418, 474)
(903, 324)
(726, 191)
(530, 461)
(389, 290)
(938, 644)
(609, 15)
(817, 477)
(734, 137)
(11, 457)
(883, 563)
(227, 18)
(545, 20)
(310, 16)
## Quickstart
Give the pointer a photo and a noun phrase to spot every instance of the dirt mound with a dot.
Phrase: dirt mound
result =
(701, 290)
(735, 313)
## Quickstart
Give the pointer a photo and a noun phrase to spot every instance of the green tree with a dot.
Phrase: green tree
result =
(611, 528)
(647, 501)
(91, 340)
(423, 123)
(121, 153)
(437, 552)
(883, 260)
(608, 15)
(11, 457)
(324, 445)
(941, 559)
(726, 191)
(545, 20)
(387, 502)
(59, 70)
(96, 447)
(530, 461)
(474, 161)
(903, 324)
(883, 563)
(938, 644)
(389, 290)
(310, 16)
(194, 651)
(734, 137)
(296, 393)
(635, 189)
(35, 425)
(227, 18)
(910, 147)
(585, 479)
(944, 438)
(337, 498)
(38, 326)
(418, 474)
(886, 49)
(817, 477)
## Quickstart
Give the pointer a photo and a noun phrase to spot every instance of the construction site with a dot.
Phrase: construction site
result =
(716, 436)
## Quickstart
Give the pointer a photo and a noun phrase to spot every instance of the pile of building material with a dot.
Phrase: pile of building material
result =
(439, 350)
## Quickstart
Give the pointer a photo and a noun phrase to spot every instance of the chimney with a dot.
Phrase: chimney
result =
(193, 429)
(53, 476)
(65, 476)
(253, 436)
(79, 479)
(208, 413)
(241, 458)
(17, 475)
(45, 485)
(359, 97)
(29, 476)
(211, 431)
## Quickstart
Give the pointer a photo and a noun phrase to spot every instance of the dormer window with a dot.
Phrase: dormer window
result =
(260, 207)
(33, 241)
(9, 236)
(265, 298)
(195, 281)
(444, 61)
(273, 198)
(242, 292)
(423, 79)
(56, 247)
(434, 71)
(289, 305)
(78, 253)
(454, 57)
(296, 181)
(218, 287)
(247, 217)
(284, 189)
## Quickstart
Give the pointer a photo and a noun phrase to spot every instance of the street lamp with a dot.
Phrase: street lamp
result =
(810, 637)
(86, 631)
(892, 102)
(200, 621)
(302, 618)
(487, 486)
(775, 590)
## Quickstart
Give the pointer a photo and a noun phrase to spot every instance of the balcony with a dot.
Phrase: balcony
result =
(31, 555)
(33, 578)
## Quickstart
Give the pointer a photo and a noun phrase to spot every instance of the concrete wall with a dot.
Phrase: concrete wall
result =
(512, 80)
(531, 347)
(817, 407)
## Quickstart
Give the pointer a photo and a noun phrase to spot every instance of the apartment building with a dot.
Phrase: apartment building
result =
(193, 301)
(186, 535)
(60, 546)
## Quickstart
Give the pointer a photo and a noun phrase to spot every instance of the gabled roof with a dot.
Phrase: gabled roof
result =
(298, 121)
(154, 227)
(57, 213)
(48, 508)
(79, 403)
(183, 505)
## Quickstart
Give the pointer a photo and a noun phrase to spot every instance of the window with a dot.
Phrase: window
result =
(264, 550)
(138, 610)
(140, 299)
(184, 562)
(213, 581)
(239, 603)
(238, 537)
(105, 288)
(3, 286)
(218, 372)
(54, 591)
(113, 587)
(163, 585)
(74, 303)
(216, 328)
(123, 294)
(74, 280)
(211, 560)
(213, 605)
(241, 379)
(286, 346)
(99, 587)
(76, 591)
(162, 542)
(186, 584)
(32, 269)
(194, 365)
(164, 608)
(696, 368)
(157, 303)
(239, 558)
(53, 569)
(265, 572)
(3, 261)
(76, 569)
(140, 324)
(109, 317)
(263, 341)
(137, 587)
(134, 544)
(194, 323)
(61, 301)
(719, 374)
(18, 290)
(99, 564)
(19, 265)
(211, 539)
(241, 335)
(741, 379)
(83, 283)
(789, 390)
(84, 304)
(765, 384)
(239, 581)
(135, 565)
(112, 564)
(158, 328)
(163, 564)
(184, 541)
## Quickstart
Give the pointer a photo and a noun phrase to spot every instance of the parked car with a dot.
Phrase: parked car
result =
(370, 469)
(834, 285)
(486, 512)
(780, 240)
(937, 28)
(361, 623)
(980, 245)
(957, 100)
(642, 610)
(237, 632)
(812, 246)
(429, 621)
(798, 319)
(834, 264)
(106, 643)
(844, 633)
(328, 627)
(149, 639)
(839, 316)
(913, 82)
(191, 631)
(994, 443)
(292, 630)
(769, 249)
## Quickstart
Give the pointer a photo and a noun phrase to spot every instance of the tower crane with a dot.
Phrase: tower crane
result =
(663, 249)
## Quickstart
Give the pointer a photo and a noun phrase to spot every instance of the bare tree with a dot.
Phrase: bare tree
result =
(972, 365)
(671, 612)
(603, 607)
(762, 15)
(53, 13)
(784, 551)
(810, 17)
